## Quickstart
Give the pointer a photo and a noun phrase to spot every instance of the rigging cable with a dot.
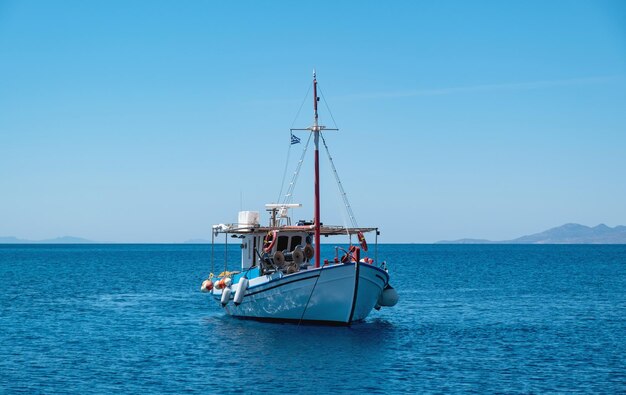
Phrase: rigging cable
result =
(344, 196)
(327, 107)
(289, 195)
(282, 183)
(310, 295)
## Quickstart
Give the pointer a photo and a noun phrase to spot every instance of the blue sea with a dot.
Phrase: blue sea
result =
(471, 318)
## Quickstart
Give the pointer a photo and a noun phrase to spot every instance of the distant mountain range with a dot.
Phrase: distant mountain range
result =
(565, 234)
(58, 240)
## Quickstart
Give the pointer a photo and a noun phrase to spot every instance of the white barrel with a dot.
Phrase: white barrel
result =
(240, 290)
(225, 296)
(389, 297)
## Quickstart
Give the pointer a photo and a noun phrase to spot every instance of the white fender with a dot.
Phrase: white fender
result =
(240, 290)
(225, 296)
(389, 297)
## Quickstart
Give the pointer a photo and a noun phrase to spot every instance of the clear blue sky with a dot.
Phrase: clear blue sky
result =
(147, 121)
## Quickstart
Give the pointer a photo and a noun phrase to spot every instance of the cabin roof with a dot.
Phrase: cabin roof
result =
(325, 230)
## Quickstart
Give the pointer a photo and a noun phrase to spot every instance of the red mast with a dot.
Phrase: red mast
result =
(316, 131)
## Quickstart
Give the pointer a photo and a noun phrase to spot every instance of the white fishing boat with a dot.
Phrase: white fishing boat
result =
(283, 277)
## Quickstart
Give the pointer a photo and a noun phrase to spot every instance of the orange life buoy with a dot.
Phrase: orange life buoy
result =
(269, 241)
(362, 241)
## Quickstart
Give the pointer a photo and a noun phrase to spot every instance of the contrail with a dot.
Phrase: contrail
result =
(483, 88)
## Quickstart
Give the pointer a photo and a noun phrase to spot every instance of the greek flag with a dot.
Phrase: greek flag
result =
(294, 139)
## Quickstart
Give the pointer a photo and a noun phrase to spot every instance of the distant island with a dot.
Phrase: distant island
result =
(57, 240)
(565, 234)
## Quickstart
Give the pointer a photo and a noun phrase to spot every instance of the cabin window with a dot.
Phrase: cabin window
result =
(282, 243)
(295, 241)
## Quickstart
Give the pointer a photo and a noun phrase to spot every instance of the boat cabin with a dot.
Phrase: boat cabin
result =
(284, 247)
(257, 244)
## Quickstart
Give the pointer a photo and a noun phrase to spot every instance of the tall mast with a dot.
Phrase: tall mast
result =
(316, 132)
(316, 129)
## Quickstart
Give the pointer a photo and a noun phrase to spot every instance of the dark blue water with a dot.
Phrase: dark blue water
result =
(130, 318)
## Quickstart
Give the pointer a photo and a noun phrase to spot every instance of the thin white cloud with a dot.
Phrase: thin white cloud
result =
(483, 88)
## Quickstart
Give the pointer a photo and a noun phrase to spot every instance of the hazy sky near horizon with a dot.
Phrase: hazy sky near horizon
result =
(149, 121)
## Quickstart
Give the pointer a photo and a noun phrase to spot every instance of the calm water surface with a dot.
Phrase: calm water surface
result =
(130, 318)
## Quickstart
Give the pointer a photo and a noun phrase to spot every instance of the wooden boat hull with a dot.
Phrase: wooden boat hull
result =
(335, 295)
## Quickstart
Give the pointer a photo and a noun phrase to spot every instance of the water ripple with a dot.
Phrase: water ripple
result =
(130, 319)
